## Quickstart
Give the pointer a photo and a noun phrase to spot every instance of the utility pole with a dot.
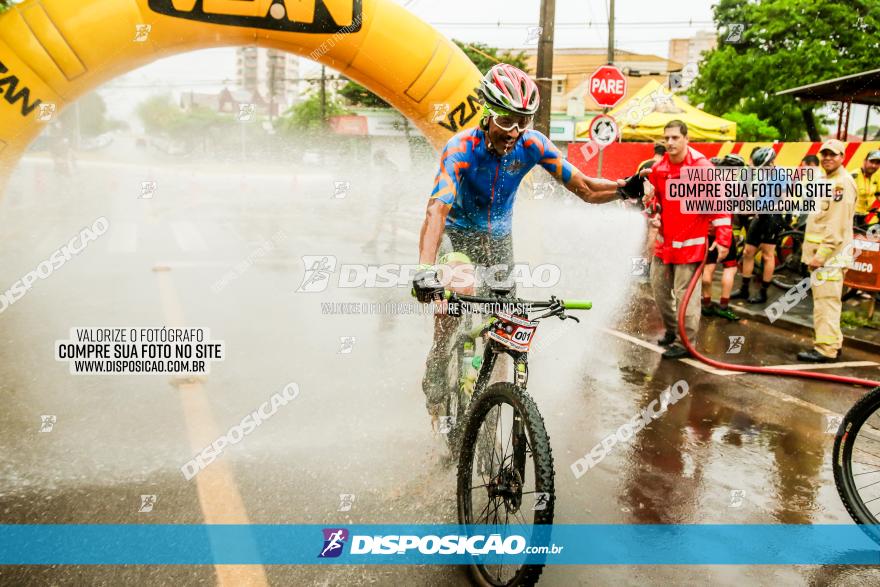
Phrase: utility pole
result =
(323, 96)
(544, 73)
(611, 33)
(610, 62)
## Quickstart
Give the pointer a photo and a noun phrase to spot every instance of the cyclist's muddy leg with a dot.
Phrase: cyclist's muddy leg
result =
(457, 277)
(434, 382)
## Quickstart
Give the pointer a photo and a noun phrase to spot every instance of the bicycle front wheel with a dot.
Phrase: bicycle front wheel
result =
(505, 473)
(856, 462)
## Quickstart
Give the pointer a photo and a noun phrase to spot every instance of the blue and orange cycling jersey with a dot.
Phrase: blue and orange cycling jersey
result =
(481, 186)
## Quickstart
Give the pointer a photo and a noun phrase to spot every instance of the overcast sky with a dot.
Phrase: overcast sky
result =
(643, 26)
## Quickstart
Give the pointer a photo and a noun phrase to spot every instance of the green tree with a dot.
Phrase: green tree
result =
(161, 116)
(873, 132)
(750, 128)
(358, 95)
(89, 115)
(484, 56)
(785, 43)
(158, 114)
(306, 115)
(196, 122)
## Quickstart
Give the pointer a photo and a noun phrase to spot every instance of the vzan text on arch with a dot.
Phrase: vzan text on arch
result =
(298, 16)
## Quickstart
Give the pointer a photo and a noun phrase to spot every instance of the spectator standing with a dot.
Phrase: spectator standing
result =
(826, 252)
(868, 190)
(681, 241)
(651, 213)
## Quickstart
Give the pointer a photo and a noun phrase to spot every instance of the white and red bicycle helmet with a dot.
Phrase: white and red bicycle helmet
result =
(510, 88)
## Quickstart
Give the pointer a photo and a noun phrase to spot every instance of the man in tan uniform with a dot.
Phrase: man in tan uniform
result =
(828, 252)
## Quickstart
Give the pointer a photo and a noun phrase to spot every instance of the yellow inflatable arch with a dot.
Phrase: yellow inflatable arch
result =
(53, 51)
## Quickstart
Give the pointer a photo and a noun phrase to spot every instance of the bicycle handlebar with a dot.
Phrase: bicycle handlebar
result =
(568, 305)
(577, 304)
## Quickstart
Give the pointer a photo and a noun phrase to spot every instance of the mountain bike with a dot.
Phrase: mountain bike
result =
(461, 377)
(789, 269)
(505, 465)
(856, 462)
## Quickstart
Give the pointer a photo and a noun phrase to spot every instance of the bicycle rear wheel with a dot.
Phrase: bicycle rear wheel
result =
(856, 462)
(789, 269)
(505, 473)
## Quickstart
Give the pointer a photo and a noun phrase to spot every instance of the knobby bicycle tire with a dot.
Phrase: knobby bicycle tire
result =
(842, 464)
(542, 458)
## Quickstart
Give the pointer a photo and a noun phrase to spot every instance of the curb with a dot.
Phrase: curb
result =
(789, 324)
(806, 329)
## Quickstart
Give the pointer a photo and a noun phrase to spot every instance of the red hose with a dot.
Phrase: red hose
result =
(682, 307)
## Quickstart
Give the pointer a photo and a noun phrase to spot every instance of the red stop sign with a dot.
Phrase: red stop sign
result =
(607, 86)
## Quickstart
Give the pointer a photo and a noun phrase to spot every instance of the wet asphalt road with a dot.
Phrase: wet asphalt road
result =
(737, 449)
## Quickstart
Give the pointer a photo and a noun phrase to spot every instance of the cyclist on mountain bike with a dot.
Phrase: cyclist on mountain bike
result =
(761, 233)
(468, 217)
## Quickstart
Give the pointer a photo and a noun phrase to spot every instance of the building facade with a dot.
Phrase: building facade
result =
(270, 73)
(572, 69)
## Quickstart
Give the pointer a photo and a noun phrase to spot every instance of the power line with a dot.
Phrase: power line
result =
(219, 82)
(577, 24)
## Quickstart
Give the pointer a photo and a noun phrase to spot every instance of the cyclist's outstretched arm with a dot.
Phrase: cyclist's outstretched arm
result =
(548, 156)
(432, 230)
(593, 190)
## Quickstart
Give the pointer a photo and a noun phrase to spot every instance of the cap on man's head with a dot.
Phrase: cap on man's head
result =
(874, 155)
(833, 145)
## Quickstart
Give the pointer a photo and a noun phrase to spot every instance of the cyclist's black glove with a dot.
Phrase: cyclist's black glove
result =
(426, 286)
(633, 189)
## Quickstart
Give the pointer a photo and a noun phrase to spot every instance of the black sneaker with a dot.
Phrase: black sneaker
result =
(743, 292)
(759, 298)
(708, 309)
(667, 339)
(676, 351)
(814, 356)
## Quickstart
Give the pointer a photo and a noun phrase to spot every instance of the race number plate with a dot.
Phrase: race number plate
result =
(513, 332)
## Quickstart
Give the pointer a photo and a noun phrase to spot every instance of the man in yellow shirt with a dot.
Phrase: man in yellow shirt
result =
(827, 252)
(868, 186)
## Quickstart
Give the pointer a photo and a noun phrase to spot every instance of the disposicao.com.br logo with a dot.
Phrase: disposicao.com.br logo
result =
(449, 544)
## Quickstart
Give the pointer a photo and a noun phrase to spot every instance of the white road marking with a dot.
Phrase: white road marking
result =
(726, 372)
(814, 366)
(659, 350)
(784, 397)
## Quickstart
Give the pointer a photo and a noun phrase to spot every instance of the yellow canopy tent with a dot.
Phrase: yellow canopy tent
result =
(642, 117)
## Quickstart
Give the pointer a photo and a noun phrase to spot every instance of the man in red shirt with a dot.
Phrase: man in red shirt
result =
(681, 242)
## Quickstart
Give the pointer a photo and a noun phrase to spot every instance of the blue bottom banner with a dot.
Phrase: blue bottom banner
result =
(564, 544)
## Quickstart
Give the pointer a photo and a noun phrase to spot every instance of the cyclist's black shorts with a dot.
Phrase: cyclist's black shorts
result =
(764, 229)
(483, 251)
(712, 255)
